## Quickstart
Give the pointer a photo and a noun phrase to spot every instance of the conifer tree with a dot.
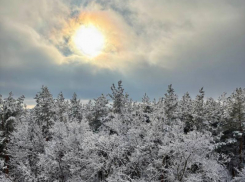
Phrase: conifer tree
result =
(236, 120)
(125, 142)
(170, 104)
(25, 146)
(119, 98)
(213, 115)
(198, 110)
(45, 110)
(62, 108)
(185, 112)
(100, 107)
(75, 108)
(146, 104)
(98, 112)
(10, 113)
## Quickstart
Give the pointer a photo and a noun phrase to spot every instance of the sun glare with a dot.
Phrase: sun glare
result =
(89, 40)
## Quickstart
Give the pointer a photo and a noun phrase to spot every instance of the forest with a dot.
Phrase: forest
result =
(115, 139)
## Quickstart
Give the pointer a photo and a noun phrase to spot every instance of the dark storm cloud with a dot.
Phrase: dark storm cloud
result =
(190, 44)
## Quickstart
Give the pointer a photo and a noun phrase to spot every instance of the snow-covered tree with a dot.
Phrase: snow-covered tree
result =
(10, 113)
(119, 98)
(146, 104)
(213, 115)
(185, 112)
(191, 157)
(61, 108)
(170, 104)
(25, 146)
(198, 111)
(240, 177)
(166, 141)
(98, 112)
(45, 110)
(233, 129)
(75, 110)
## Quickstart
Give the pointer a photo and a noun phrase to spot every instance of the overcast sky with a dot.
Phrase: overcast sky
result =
(151, 44)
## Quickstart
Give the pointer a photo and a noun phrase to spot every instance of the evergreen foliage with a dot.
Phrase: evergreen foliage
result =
(172, 140)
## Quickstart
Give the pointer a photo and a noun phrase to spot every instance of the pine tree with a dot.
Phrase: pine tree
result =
(146, 104)
(145, 109)
(185, 112)
(97, 112)
(75, 112)
(62, 108)
(100, 107)
(122, 145)
(236, 110)
(10, 113)
(213, 115)
(198, 111)
(170, 104)
(25, 146)
(119, 98)
(45, 110)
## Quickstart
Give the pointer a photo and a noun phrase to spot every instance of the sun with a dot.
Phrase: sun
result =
(89, 40)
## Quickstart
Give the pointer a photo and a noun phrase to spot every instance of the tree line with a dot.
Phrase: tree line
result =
(113, 138)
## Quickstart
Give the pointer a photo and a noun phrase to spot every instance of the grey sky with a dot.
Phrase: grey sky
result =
(188, 43)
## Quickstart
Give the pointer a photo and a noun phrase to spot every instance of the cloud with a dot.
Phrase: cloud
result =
(152, 44)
